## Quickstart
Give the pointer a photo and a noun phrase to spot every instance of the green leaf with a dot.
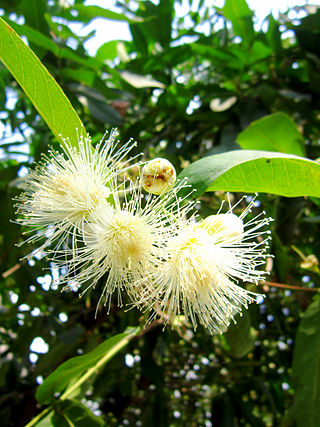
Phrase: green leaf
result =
(87, 13)
(254, 171)
(273, 35)
(36, 37)
(240, 337)
(238, 12)
(59, 420)
(47, 421)
(308, 34)
(34, 11)
(43, 91)
(216, 54)
(306, 369)
(78, 366)
(74, 413)
(107, 50)
(276, 132)
(91, 79)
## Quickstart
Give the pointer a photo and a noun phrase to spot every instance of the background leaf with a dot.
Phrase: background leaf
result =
(306, 369)
(75, 412)
(87, 13)
(240, 337)
(276, 132)
(77, 366)
(238, 12)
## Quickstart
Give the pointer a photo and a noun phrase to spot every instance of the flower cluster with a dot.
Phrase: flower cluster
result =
(140, 237)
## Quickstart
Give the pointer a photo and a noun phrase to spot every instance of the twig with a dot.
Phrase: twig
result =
(294, 287)
(11, 270)
(154, 324)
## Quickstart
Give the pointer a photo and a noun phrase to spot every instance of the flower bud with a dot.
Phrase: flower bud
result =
(311, 263)
(158, 176)
(226, 227)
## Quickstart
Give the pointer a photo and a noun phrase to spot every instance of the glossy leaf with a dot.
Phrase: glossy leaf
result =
(255, 171)
(74, 368)
(276, 132)
(306, 369)
(43, 91)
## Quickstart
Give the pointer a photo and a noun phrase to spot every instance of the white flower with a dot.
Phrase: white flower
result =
(65, 188)
(226, 227)
(126, 241)
(203, 264)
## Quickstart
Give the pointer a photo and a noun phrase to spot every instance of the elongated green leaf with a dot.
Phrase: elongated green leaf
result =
(36, 37)
(43, 91)
(34, 13)
(255, 171)
(238, 12)
(87, 13)
(46, 422)
(273, 35)
(74, 413)
(306, 369)
(276, 132)
(76, 367)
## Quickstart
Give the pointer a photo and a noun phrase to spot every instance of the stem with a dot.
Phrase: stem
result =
(298, 252)
(11, 270)
(101, 362)
(297, 288)
(38, 417)
(87, 375)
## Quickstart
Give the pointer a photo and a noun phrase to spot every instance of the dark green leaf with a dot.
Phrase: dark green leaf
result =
(59, 420)
(306, 369)
(78, 366)
(240, 337)
(308, 33)
(75, 414)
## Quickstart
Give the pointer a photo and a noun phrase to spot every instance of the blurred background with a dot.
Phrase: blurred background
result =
(183, 78)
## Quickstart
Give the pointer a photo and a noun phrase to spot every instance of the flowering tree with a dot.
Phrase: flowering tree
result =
(168, 279)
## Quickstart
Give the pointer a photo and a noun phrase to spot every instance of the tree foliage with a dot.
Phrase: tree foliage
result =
(234, 108)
